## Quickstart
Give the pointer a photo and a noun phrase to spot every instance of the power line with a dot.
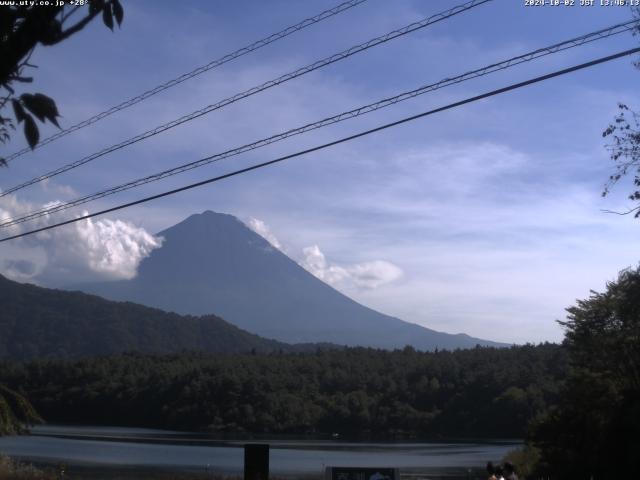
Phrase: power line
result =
(252, 91)
(541, 52)
(335, 142)
(195, 72)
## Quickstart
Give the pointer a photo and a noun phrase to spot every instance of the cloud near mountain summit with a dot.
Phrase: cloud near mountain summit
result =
(87, 250)
(364, 276)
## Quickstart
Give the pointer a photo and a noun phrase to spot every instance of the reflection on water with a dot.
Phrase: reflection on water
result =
(112, 446)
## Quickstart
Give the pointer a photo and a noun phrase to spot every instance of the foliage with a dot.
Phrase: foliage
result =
(594, 431)
(481, 392)
(12, 470)
(624, 150)
(22, 28)
(16, 413)
(526, 460)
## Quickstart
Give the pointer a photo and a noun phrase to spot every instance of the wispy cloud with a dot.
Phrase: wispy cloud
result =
(366, 275)
(51, 187)
(264, 231)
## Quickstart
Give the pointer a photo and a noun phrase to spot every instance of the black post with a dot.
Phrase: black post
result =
(256, 462)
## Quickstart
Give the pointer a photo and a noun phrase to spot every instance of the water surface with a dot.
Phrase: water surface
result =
(147, 448)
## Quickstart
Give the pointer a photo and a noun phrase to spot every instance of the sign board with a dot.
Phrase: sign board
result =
(361, 473)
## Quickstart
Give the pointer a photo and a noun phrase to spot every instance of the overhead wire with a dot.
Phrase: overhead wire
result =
(476, 98)
(511, 62)
(257, 89)
(193, 73)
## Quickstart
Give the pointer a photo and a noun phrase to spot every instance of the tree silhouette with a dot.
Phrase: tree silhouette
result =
(22, 29)
(594, 430)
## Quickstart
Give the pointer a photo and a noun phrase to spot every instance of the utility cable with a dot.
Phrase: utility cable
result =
(450, 106)
(252, 91)
(193, 73)
(541, 52)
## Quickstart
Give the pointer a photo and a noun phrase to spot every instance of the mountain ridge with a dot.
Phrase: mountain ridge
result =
(42, 322)
(213, 263)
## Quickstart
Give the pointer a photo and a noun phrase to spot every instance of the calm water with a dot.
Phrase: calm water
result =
(128, 447)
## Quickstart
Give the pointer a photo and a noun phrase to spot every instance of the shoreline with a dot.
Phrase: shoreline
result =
(95, 471)
(111, 452)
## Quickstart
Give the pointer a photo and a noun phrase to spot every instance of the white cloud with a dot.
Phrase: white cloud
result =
(114, 247)
(366, 275)
(359, 276)
(87, 250)
(20, 270)
(264, 231)
(50, 187)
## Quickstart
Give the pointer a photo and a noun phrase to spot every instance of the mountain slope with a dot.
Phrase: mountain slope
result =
(37, 322)
(213, 263)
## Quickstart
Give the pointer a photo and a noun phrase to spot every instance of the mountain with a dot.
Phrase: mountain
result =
(40, 322)
(213, 263)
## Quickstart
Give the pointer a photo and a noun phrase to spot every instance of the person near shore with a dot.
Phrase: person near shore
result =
(498, 472)
(510, 471)
(491, 471)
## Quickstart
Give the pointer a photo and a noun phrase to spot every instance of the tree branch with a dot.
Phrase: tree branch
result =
(78, 26)
(64, 17)
(23, 40)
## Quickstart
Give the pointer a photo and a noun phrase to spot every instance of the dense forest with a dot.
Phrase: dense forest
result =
(41, 322)
(481, 392)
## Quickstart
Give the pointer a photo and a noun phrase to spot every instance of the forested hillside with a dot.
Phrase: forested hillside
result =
(40, 322)
(480, 392)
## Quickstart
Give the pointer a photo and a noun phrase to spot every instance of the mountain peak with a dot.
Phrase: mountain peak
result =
(212, 263)
(210, 214)
(208, 217)
(205, 230)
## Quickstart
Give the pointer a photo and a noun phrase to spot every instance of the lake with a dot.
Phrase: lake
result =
(181, 451)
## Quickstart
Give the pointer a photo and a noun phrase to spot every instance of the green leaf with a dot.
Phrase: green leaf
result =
(33, 105)
(18, 110)
(118, 12)
(31, 131)
(107, 16)
(42, 107)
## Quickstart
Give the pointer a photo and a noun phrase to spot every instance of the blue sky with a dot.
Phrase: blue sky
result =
(485, 219)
